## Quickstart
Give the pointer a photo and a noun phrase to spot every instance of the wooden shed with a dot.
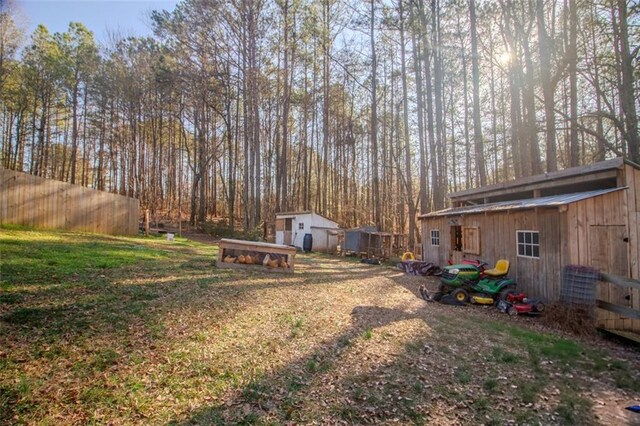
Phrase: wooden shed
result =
(367, 241)
(585, 215)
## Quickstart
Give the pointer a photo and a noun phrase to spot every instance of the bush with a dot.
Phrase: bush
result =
(221, 229)
(218, 229)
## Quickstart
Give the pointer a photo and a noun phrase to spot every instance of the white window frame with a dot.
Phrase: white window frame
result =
(301, 226)
(525, 244)
(432, 237)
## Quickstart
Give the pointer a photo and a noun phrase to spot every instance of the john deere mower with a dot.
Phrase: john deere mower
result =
(471, 281)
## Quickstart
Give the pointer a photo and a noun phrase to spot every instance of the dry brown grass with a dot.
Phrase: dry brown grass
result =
(576, 320)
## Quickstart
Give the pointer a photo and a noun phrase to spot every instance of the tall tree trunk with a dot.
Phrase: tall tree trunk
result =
(374, 125)
(74, 131)
(439, 186)
(475, 75)
(548, 88)
(427, 53)
(407, 144)
(424, 200)
(627, 84)
(574, 148)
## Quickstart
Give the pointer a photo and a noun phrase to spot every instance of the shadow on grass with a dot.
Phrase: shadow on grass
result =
(255, 402)
(68, 296)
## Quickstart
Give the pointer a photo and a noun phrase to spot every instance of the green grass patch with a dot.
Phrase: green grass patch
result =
(530, 390)
(39, 257)
(542, 344)
(574, 409)
(297, 325)
(463, 375)
(313, 365)
(503, 356)
(490, 385)
(367, 334)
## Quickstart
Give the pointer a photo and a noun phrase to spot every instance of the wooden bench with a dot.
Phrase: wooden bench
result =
(264, 256)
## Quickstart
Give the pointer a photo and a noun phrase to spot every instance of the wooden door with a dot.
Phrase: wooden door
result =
(287, 231)
(609, 253)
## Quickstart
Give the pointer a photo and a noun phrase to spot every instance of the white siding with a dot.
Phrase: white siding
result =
(308, 220)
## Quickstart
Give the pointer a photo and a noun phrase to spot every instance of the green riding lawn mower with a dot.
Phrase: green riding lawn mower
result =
(470, 281)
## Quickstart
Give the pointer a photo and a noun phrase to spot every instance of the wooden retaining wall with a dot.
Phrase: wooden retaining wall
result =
(44, 203)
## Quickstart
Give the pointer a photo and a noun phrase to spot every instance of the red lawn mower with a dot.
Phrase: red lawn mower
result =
(519, 303)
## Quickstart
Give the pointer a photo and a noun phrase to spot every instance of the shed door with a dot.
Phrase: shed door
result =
(287, 231)
(609, 254)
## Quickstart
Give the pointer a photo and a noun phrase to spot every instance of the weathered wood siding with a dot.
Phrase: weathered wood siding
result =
(497, 233)
(632, 180)
(43, 203)
(599, 234)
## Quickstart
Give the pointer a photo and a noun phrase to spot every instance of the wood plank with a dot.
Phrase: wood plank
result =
(624, 334)
(251, 247)
(16, 199)
(599, 211)
(634, 244)
(6, 179)
(572, 240)
(257, 268)
(620, 281)
(581, 233)
(43, 196)
(228, 241)
(20, 211)
(133, 215)
(622, 310)
(3, 196)
(36, 196)
(46, 203)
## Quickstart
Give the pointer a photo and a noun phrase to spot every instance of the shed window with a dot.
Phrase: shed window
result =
(301, 225)
(435, 237)
(528, 243)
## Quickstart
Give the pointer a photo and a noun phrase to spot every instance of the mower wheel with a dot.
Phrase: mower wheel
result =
(437, 296)
(512, 311)
(443, 288)
(539, 306)
(460, 295)
(507, 290)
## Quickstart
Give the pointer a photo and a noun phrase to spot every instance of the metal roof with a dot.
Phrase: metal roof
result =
(550, 201)
(590, 169)
(294, 213)
(289, 215)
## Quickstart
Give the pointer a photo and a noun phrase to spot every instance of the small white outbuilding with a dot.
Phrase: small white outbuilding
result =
(291, 228)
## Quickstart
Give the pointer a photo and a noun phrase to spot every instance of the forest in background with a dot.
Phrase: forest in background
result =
(369, 112)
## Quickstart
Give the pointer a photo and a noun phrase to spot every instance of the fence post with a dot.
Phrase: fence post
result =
(146, 222)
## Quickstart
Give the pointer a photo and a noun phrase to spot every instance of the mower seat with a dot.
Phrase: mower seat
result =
(501, 269)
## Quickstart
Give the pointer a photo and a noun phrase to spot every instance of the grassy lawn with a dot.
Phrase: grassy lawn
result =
(98, 329)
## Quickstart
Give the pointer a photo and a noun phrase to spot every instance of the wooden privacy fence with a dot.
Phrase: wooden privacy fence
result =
(44, 203)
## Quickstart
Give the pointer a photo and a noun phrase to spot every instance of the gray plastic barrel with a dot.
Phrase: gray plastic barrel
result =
(307, 243)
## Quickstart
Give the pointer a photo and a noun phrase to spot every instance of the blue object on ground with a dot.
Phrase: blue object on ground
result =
(634, 408)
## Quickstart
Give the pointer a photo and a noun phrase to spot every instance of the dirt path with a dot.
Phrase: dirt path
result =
(364, 348)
